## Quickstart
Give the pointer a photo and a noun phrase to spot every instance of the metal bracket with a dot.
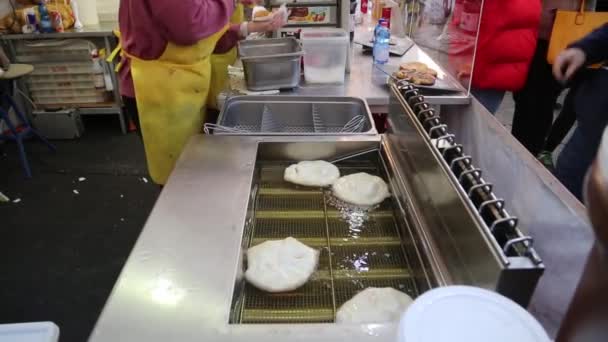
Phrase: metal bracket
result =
(476, 173)
(457, 147)
(422, 104)
(500, 204)
(431, 118)
(448, 137)
(512, 220)
(409, 90)
(487, 187)
(465, 158)
(424, 111)
(418, 98)
(523, 240)
(438, 127)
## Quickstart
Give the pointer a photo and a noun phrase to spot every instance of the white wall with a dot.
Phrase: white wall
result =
(108, 9)
(5, 8)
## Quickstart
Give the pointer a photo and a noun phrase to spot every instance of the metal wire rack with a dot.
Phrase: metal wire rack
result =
(353, 257)
(269, 123)
(491, 209)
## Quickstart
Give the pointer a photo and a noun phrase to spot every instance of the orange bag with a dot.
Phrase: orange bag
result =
(570, 26)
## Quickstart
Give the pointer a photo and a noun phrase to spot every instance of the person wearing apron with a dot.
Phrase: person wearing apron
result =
(166, 72)
(221, 61)
(225, 53)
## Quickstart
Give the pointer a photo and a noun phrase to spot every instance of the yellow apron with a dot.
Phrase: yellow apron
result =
(220, 63)
(171, 93)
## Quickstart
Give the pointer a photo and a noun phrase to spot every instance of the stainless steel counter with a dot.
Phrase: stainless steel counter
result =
(367, 82)
(104, 29)
(177, 284)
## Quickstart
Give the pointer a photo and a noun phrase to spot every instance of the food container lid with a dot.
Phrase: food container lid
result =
(463, 313)
(324, 34)
(29, 332)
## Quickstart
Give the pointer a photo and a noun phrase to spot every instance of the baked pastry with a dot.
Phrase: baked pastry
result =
(417, 73)
(361, 189)
(423, 78)
(401, 74)
(312, 173)
(374, 305)
(280, 265)
(417, 66)
(260, 14)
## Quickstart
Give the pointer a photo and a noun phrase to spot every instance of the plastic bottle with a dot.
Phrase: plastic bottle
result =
(77, 23)
(57, 21)
(382, 44)
(98, 76)
(378, 26)
(46, 26)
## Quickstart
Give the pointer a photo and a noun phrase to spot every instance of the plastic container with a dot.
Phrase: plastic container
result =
(325, 54)
(62, 78)
(63, 97)
(75, 50)
(64, 68)
(464, 313)
(29, 332)
(33, 86)
(271, 64)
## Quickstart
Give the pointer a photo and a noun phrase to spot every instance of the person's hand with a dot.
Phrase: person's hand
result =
(464, 71)
(273, 24)
(567, 63)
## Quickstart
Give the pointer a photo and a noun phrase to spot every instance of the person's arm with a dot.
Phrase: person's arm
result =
(237, 32)
(188, 21)
(589, 50)
(229, 39)
(595, 45)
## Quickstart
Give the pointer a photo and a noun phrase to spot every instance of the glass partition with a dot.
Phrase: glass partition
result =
(447, 31)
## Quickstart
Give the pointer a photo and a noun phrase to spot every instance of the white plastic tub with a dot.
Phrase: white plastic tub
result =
(325, 53)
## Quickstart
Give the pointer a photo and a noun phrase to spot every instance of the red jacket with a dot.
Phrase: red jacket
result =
(506, 43)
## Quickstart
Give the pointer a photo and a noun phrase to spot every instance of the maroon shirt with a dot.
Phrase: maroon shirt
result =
(148, 25)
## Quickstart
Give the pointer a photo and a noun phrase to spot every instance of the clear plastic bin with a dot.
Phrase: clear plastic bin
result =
(68, 96)
(325, 53)
(64, 68)
(60, 85)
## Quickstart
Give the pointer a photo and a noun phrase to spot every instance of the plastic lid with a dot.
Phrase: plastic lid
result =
(29, 332)
(463, 313)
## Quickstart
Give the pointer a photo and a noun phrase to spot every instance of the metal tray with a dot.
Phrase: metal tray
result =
(271, 64)
(295, 115)
(444, 83)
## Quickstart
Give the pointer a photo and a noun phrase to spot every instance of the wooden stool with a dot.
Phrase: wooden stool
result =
(18, 131)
